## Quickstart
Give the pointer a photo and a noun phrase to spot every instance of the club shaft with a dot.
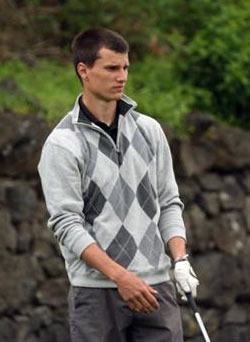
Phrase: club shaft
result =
(193, 306)
(202, 327)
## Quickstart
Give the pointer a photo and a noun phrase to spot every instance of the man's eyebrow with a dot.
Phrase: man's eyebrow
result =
(115, 64)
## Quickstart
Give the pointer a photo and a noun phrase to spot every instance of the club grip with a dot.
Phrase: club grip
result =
(191, 302)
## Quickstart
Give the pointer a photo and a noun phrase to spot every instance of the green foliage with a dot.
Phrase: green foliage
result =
(218, 60)
(188, 55)
(127, 17)
(141, 22)
(49, 85)
(156, 87)
(51, 88)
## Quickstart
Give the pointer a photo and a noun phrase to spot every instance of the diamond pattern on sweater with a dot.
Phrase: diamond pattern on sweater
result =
(124, 143)
(123, 247)
(121, 198)
(151, 245)
(94, 202)
(107, 148)
(141, 147)
(135, 218)
(145, 195)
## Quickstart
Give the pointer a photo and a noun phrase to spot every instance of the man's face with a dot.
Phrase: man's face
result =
(106, 79)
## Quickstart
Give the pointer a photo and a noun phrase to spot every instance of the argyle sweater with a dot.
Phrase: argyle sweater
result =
(121, 196)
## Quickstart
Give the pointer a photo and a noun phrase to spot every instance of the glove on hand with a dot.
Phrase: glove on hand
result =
(185, 278)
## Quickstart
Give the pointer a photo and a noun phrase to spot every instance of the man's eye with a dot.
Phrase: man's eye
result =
(112, 68)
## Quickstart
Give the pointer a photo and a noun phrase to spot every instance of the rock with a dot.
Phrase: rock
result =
(229, 233)
(232, 148)
(209, 202)
(198, 123)
(220, 279)
(20, 143)
(188, 190)
(236, 315)
(19, 276)
(233, 332)
(42, 249)
(190, 327)
(245, 181)
(3, 305)
(41, 232)
(232, 196)
(245, 265)
(214, 146)
(199, 230)
(23, 328)
(7, 330)
(24, 240)
(53, 292)
(56, 333)
(210, 181)
(212, 319)
(41, 214)
(193, 159)
(22, 201)
(54, 267)
(246, 213)
(8, 234)
(41, 317)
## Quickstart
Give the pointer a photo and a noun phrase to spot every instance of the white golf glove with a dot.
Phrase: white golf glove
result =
(185, 278)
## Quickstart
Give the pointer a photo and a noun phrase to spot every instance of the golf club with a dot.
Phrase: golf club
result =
(194, 308)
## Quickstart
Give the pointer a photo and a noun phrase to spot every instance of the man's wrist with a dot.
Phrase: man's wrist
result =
(180, 259)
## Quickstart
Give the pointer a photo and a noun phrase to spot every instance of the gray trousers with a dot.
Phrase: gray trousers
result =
(100, 315)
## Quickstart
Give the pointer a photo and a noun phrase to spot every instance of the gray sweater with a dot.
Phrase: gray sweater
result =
(121, 196)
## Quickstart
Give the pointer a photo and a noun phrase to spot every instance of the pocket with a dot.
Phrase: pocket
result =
(167, 292)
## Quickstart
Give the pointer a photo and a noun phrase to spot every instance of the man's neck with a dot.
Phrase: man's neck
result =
(104, 111)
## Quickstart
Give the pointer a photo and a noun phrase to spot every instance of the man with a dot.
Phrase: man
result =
(114, 206)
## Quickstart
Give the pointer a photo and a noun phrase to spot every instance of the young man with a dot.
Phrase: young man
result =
(114, 206)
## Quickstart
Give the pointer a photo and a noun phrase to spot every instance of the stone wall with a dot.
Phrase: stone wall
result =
(213, 171)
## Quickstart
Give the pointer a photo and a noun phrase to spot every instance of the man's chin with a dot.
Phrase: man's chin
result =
(115, 97)
(111, 97)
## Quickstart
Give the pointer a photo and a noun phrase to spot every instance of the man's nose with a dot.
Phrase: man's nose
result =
(122, 76)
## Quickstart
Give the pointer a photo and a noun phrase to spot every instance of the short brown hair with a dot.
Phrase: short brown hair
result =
(86, 45)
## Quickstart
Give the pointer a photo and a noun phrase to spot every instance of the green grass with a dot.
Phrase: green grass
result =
(50, 88)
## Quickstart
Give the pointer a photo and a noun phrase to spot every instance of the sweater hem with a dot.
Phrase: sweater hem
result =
(82, 281)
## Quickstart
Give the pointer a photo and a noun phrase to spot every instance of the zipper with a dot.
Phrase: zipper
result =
(98, 129)
(116, 146)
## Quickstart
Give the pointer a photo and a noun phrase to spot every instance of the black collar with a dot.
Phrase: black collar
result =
(86, 116)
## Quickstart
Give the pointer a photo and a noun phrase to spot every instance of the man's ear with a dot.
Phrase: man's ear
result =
(82, 71)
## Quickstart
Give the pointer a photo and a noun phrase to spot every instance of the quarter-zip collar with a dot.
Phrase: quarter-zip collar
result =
(125, 105)
(84, 114)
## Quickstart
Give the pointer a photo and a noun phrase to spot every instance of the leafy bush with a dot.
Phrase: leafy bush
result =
(156, 87)
(127, 17)
(218, 60)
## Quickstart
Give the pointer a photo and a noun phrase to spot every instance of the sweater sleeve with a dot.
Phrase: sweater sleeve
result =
(171, 222)
(61, 182)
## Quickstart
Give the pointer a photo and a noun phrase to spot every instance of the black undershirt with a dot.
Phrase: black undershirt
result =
(111, 130)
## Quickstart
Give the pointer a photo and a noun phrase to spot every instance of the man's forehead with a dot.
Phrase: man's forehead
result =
(108, 55)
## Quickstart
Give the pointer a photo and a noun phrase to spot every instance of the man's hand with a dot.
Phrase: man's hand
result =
(186, 279)
(136, 293)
